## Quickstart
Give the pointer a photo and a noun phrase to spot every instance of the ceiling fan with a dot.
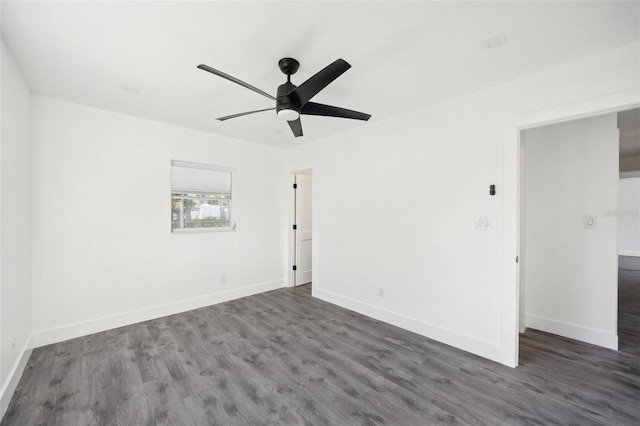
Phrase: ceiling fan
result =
(292, 100)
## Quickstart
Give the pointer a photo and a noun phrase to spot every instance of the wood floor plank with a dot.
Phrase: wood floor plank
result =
(285, 358)
(629, 305)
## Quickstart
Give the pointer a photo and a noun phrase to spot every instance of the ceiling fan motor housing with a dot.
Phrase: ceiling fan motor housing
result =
(283, 101)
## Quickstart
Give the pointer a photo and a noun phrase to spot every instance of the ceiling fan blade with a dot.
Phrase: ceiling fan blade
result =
(240, 114)
(312, 108)
(307, 90)
(296, 127)
(235, 80)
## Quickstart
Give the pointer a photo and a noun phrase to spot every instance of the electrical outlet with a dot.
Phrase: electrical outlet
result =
(381, 292)
(13, 343)
(590, 222)
(223, 278)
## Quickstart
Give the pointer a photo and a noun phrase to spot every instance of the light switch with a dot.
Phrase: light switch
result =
(590, 222)
(483, 223)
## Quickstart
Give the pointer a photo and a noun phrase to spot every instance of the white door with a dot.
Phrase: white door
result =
(303, 229)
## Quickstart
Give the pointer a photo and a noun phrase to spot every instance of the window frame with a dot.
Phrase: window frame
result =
(187, 164)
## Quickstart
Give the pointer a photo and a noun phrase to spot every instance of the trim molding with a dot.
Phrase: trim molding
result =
(573, 331)
(467, 343)
(71, 331)
(630, 175)
(9, 387)
(629, 253)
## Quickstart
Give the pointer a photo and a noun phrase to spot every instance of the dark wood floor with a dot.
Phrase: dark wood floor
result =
(286, 358)
(629, 304)
(304, 289)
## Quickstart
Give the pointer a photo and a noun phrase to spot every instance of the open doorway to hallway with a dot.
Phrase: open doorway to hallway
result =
(628, 214)
(568, 241)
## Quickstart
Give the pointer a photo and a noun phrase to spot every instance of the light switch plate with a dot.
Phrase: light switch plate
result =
(483, 223)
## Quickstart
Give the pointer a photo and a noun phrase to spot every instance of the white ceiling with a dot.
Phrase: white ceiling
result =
(629, 127)
(404, 55)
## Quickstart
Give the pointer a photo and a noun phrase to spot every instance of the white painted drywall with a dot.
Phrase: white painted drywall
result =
(572, 271)
(395, 201)
(15, 211)
(103, 253)
(628, 214)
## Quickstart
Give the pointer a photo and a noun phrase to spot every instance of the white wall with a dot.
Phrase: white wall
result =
(394, 206)
(571, 281)
(629, 217)
(15, 207)
(103, 253)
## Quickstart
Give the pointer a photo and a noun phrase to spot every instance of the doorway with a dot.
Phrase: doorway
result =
(628, 214)
(512, 238)
(569, 175)
(302, 230)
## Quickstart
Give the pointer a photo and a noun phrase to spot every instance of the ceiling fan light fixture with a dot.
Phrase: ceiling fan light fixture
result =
(288, 114)
(291, 100)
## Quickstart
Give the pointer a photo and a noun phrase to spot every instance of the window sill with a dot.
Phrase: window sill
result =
(202, 230)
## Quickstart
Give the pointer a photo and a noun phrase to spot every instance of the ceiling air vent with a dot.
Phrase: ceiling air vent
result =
(131, 89)
(494, 42)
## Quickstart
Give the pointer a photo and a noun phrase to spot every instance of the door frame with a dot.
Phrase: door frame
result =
(512, 128)
(291, 219)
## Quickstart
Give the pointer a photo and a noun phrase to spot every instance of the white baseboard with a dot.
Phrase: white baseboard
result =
(629, 253)
(630, 175)
(71, 331)
(9, 386)
(467, 343)
(573, 331)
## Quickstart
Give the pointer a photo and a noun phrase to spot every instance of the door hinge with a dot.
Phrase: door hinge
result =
(295, 268)
(516, 259)
(295, 227)
(295, 186)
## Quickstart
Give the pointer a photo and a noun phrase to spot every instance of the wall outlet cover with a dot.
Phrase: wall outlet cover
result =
(590, 222)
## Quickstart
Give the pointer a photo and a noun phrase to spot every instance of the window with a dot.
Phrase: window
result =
(200, 197)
